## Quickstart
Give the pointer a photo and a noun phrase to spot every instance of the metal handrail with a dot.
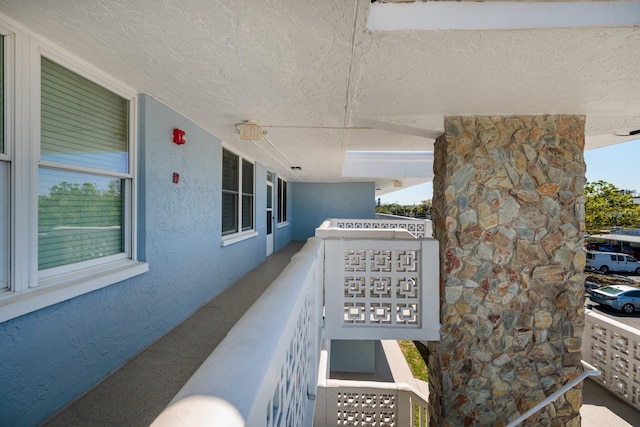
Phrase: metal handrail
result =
(589, 371)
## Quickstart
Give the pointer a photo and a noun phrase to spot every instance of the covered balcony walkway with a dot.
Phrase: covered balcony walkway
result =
(135, 394)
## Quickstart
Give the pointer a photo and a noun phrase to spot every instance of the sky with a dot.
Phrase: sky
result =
(617, 164)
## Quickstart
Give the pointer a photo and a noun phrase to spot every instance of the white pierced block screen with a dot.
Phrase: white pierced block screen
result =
(366, 409)
(614, 349)
(417, 228)
(381, 287)
(287, 406)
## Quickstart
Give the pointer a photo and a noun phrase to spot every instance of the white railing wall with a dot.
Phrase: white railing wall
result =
(366, 403)
(418, 227)
(614, 349)
(378, 283)
(264, 373)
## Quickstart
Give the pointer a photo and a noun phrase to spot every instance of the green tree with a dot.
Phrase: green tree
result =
(607, 206)
(423, 210)
(80, 205)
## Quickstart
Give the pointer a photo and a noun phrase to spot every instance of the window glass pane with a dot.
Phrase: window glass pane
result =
(269, 223)
(284, 201)
(229, 213)
(4, 225)
(279, 203)
(269, 196)
(229, 171)
(247, 177)
(2, 94)
(83, 123)
(80, 217)
(247, 212)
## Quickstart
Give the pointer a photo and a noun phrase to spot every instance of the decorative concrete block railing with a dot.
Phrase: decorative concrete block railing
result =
(264, 373)
(419, 228)
(614, 349)
(381, 288)
(378, 284)
(367, 403)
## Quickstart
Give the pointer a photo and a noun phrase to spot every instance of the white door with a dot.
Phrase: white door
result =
(269, 218)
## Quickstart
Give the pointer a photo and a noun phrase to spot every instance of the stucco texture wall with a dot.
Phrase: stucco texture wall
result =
(315, 202)
(52, 355)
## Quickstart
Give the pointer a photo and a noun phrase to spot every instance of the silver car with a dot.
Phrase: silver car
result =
(619, 297)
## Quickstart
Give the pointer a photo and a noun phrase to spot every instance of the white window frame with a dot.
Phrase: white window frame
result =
(29, 289)
(240, 235)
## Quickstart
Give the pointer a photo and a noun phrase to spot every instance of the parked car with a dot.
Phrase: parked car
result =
(589, 285)
(611, 261)
(620, 297)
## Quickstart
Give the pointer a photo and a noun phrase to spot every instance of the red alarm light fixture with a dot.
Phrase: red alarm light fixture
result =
(178, 136)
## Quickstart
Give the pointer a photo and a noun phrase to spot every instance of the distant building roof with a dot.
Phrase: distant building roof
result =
(617, 237)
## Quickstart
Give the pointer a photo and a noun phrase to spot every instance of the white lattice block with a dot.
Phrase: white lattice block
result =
(366, 409)
(355, 287)
(355, 261)
(613, 348)
(287, 406)
(417, 228)
(380, 287)
(374, 284)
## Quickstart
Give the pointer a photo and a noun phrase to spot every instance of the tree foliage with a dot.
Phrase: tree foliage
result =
(423, 210)
(608, 206)
(80, 205)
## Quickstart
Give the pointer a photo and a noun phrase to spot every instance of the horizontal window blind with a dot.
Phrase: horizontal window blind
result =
(230, 175)
(282, 200)
(83, 123)
(247, 195)
(229, 213)
(247, 213)
(229, 171)
(247, 177)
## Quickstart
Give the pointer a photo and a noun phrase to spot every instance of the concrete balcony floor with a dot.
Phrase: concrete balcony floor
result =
(138, 391)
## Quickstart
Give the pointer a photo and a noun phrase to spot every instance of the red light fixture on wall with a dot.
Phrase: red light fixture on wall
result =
(178, 136)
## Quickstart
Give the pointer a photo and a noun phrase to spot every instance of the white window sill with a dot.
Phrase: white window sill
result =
(239, 237)
(66, 287)
(283, 224)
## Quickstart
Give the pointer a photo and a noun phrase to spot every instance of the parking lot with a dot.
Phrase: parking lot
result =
(632, 320)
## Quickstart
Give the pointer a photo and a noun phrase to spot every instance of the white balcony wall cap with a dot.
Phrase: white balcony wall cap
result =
(242, 371)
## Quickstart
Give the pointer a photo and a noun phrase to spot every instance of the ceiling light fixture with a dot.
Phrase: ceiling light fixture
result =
(627, 132)
(250, 131)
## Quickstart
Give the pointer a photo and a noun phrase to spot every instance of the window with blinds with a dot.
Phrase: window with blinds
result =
(247, 195)
(83, 176)
(282, 200)
(237, 194)
(4, 183)
(230, 177)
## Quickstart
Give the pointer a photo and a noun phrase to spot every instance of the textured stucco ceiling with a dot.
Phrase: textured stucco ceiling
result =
(288, 64)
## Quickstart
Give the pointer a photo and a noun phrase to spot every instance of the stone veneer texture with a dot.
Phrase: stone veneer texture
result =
(509, 216)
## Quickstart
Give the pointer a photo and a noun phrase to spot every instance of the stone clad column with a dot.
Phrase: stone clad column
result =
(509, 216)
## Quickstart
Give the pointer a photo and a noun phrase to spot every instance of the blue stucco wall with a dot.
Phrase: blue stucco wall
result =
(52, 355)
(315, 202)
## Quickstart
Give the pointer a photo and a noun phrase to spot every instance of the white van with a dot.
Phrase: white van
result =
(610, 261)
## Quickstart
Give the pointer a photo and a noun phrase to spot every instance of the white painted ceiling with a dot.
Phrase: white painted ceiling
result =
(305, 69)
